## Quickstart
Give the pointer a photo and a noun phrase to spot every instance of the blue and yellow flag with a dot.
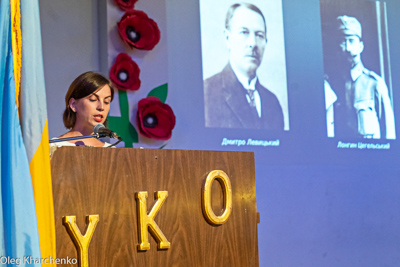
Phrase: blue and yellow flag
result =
(19, 230)
(33, 113)
(22, 73)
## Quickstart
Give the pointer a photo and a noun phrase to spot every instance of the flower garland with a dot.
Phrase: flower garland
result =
(125, 4)
(155, 119)
(138, 30)
(125, 73)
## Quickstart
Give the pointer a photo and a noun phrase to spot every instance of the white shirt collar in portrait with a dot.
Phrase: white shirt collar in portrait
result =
(250, 86)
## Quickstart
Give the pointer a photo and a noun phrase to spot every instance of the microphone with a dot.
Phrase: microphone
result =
(103, 131)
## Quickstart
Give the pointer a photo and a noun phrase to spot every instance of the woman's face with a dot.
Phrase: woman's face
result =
(92, 109)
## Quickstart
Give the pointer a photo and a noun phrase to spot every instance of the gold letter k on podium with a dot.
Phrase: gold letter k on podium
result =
(146, 221)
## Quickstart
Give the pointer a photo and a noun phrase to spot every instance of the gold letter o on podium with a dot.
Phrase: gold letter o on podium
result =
(206, 197)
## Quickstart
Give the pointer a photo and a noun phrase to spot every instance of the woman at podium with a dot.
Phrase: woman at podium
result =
(87, 104)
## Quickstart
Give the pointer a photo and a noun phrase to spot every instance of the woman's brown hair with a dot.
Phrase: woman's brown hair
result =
(84, 85)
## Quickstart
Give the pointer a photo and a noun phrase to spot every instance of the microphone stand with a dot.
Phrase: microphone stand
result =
(97, 135)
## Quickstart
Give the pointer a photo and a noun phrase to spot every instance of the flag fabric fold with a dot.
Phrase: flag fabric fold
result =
(26, 203)
(35, 125)
(19, 230)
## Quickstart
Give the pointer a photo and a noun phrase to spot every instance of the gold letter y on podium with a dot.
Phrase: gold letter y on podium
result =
(81, 242)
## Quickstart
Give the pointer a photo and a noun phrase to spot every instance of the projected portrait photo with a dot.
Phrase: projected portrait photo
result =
(358, 91)
(244, 67)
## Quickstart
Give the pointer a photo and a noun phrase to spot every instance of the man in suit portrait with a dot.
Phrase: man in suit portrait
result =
(234, 98)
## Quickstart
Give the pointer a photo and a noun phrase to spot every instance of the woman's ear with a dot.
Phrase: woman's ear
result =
(72, 104)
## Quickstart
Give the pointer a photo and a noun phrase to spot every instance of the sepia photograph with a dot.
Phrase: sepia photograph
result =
(244, 71)
(358, 87)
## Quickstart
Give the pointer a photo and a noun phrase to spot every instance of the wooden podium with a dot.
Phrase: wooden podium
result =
(107, 182)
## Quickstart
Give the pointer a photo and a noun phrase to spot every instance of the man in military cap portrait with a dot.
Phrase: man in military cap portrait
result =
(361, 102)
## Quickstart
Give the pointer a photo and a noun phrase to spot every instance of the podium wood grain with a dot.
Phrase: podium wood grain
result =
(104, 181)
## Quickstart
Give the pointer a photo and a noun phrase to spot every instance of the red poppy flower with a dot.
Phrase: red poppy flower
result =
(125, 73)
(155, 119)
(126, 4)
(138, 30)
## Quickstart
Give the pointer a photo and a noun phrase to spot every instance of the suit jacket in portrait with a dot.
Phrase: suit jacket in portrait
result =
(226, 105)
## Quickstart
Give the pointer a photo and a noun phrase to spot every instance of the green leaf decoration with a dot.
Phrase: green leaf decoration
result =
(122, 125)
(161, 92)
